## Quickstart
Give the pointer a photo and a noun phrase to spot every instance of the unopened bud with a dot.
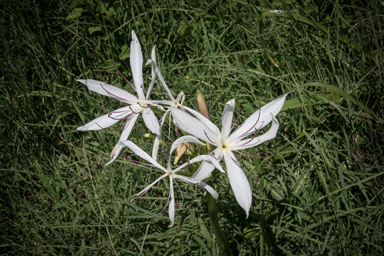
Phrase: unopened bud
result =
(180, 151)
(202, 105)
(190, 148)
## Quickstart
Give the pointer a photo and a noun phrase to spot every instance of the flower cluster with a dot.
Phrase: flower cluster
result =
(190, 121)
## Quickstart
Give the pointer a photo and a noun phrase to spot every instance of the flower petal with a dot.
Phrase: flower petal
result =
(193, 126)
(226, 119)
(207, 158)
(252, 142)
(200, 183)
(181, 140)
(153, 72)
(141, 153)
(264, 112)
(151, 121)
(109, 90)
(151, 185)
(209, 189)
(124, 136)
(136, 60)
(171, 209)
(128, 127)
(106, 120)
(158, 73)
(205, 121)
(206, 167)
(156, 144)
(239, 182)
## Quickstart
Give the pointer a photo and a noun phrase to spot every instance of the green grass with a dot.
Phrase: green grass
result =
(320, 193)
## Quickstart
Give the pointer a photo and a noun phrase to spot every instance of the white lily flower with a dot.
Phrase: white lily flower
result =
(137, 105)
(227, 143)
(172, 174)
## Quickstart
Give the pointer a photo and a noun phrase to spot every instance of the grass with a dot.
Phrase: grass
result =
(321, 192)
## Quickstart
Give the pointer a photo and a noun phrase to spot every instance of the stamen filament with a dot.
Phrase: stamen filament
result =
(164, 207)
(214, 156)
(254, 135)
(237, 119)
(209, 138)
(181, 192)
(242, 135)
(123, 76)
(130, 159)
(117, 97)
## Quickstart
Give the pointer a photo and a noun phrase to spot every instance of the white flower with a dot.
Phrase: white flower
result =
(172, 174)
(227, 143)
(137, 105)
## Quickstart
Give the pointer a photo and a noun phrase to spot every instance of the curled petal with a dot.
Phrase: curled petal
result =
(181, 140)
(226, 119)
(157, 70)
(106, 120)
(136, 60)
(201, 184)
(108, 90)
(248, 143)
(207, 158)
(261, 116)
(209, 189)
(153, 72)
(239, 182)
(206, 167)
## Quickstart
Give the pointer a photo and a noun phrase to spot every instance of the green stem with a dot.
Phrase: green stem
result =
(214, 220)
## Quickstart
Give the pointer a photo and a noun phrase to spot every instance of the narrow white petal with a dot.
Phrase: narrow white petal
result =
(206, 167)
(165, 102)
(226, 119)
(151, 185)
(204, 120)
(151, 121)
(207, 158)
(124, 136)
(158, 73)
(181, 140)
(239, 182)
(141, 153)
(171, 209)
(209, 189)
(128, 127)
(200, 183)
(109, 90)
(136, 60)
(156, 144)
(153, 72)
(248, 143)
(106, 120)
(264, 112)
(194, 127)
(155, 148)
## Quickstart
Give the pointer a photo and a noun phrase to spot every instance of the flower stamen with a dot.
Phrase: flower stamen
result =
(209, 138)
(123, 76)
(237, 119)
(254, 135)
